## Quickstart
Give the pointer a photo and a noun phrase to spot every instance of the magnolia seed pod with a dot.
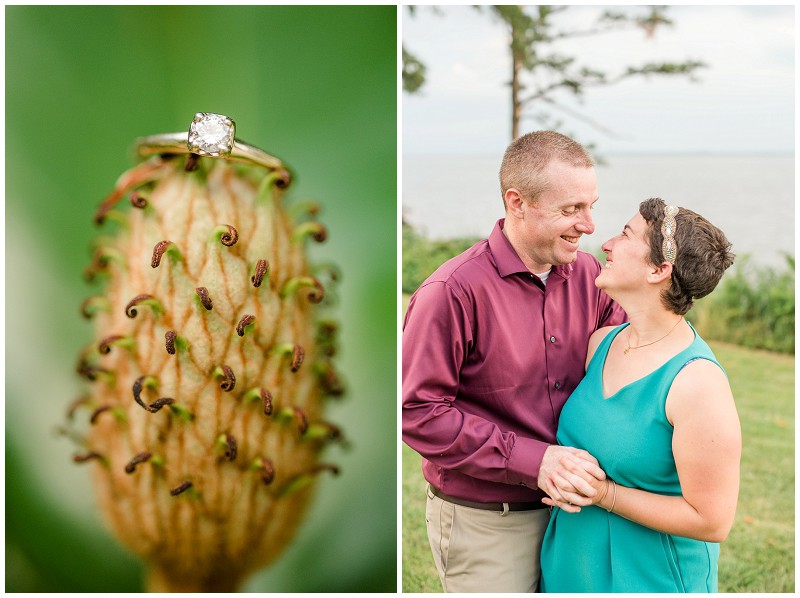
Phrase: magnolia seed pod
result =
(207, 373)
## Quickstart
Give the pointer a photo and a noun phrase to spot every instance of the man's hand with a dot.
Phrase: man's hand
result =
(569, 476)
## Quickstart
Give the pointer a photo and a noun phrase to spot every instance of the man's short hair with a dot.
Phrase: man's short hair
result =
(529, 155)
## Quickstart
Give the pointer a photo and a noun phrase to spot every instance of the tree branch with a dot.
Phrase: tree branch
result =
(588, 78)
(413, 72)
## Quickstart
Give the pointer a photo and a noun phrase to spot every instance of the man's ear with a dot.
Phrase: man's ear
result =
(515, 204)
(660, 273)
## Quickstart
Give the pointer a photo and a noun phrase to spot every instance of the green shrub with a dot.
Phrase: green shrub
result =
(752, 307)
(421, 257)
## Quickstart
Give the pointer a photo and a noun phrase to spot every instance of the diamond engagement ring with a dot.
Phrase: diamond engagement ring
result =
(209, 135)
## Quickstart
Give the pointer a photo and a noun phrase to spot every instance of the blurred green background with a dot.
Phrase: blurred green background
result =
(313, 85)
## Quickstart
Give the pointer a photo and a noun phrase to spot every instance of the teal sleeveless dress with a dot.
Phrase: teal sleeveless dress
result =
(628, 433)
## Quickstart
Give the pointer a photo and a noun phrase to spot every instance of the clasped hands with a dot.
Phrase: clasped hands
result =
(572, 478)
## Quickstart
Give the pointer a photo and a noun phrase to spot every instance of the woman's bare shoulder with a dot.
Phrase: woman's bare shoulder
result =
(700, 389)
(595, 340)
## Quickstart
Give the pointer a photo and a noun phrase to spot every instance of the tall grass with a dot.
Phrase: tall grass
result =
(758, 555)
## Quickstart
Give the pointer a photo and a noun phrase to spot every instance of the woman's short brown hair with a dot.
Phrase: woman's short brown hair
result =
(703, 254)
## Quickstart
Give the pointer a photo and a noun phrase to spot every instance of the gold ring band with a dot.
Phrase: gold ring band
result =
(211, 135)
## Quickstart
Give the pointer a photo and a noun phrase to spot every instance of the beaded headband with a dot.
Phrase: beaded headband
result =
(668, 227)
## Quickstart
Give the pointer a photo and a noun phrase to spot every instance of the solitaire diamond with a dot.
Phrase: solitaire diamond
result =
(211, 134)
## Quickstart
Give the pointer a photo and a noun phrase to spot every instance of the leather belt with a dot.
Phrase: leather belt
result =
(488, 506)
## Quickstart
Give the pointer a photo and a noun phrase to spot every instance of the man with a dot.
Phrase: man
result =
(493, 344)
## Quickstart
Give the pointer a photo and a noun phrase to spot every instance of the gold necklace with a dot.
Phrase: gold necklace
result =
(651, 343)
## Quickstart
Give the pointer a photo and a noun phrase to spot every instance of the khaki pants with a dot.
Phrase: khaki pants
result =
(485, 551)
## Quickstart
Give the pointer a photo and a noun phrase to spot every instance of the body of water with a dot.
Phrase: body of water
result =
(751, 198)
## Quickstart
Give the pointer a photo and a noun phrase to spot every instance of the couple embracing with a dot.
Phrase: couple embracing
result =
(577, 434)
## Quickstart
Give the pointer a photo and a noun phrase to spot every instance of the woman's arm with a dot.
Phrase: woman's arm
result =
(707, 447)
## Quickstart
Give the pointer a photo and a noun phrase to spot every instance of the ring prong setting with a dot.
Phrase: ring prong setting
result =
(211, 135)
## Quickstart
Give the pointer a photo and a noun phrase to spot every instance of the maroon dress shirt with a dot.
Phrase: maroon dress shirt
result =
(490, 356)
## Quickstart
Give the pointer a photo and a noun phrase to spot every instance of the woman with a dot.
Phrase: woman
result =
(656, 410)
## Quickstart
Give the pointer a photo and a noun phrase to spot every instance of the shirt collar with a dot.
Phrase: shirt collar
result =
(506, 259)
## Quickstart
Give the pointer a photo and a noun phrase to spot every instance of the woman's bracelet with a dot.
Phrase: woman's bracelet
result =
(614, 499)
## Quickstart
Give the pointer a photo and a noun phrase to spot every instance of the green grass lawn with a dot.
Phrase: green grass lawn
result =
(758, 555)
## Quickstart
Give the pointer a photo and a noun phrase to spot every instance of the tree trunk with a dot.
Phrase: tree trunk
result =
(516, 106)
(516, 68)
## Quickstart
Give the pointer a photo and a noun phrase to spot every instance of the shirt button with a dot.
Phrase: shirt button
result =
(558, 385)
(552, 339)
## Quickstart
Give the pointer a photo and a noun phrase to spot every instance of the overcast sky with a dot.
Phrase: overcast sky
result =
(743, 102)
